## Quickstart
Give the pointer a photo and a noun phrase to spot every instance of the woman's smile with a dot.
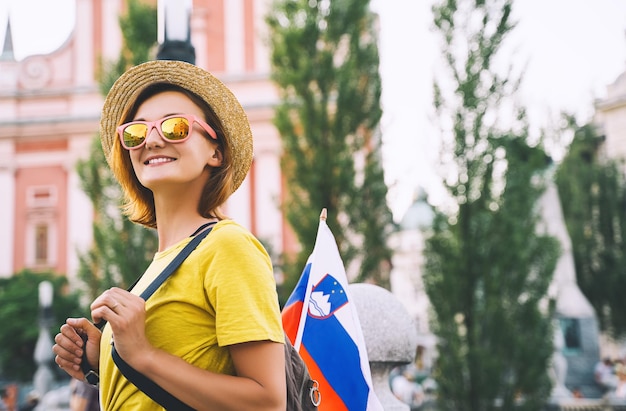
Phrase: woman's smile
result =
(159, 160)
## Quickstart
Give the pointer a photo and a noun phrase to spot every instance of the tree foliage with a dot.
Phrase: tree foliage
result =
(487, 270)
(121, 250)
(325, 62)
(19, 316)
(593, 193)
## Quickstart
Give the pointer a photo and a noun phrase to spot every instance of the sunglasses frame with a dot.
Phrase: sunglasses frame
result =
(191, 118)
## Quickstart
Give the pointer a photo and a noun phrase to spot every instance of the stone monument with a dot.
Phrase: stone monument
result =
(44, 378)
(576, 317)
(390, 337)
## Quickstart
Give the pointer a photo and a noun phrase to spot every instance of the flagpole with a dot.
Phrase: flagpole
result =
(323, 215)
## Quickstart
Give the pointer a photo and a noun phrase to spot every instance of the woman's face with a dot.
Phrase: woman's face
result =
(159, 163)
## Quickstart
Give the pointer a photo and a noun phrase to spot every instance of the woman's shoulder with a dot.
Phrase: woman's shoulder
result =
(230, 228)
(233, 241)
(231, 232)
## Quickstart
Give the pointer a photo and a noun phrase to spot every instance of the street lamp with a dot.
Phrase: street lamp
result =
(174, 18)
(44, 377)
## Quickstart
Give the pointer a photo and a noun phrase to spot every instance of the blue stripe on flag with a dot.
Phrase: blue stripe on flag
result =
(299, 291)
(337, 356)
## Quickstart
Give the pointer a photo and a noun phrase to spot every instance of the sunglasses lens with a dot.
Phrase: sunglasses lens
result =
(135, 134)
(175, 128)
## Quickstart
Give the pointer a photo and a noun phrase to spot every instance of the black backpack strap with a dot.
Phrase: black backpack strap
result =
(147, 386)
(150, 388)
(173, 265)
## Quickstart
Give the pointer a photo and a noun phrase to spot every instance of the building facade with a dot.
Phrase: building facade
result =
(610, 118)
(49, 115)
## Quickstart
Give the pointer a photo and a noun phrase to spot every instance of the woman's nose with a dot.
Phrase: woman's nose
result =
(154, 138)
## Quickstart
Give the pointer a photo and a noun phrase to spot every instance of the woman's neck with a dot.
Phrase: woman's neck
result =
(171, 232)
(177, 220)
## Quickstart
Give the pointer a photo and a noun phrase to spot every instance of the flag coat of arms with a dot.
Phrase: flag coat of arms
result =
(326, 330)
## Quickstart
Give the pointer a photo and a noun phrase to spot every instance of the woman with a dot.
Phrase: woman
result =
(179, 143)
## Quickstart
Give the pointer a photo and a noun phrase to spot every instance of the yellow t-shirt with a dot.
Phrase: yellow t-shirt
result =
(224, 293)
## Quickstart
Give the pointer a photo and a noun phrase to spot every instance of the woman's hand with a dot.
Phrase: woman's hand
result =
(126, 315)
(69, 346)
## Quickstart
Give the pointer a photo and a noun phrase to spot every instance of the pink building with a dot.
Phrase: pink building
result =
(49, 113)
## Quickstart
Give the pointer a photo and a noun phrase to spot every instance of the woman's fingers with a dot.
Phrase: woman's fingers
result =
(68, 350)
(109, 304)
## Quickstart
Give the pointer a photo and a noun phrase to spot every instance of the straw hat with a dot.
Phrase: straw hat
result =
(192, 78)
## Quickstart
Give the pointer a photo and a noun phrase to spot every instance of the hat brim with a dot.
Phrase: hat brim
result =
(190, 77)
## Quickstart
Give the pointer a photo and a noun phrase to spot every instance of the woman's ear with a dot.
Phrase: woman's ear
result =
(216, 159)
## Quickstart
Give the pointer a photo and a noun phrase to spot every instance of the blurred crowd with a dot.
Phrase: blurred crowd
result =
(77, 396)
(412, 383)
(610, 375)
(8, 400)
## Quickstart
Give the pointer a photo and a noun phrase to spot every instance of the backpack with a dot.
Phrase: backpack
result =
(303, 393)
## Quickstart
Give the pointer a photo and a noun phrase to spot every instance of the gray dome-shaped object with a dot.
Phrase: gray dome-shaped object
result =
(388, 329)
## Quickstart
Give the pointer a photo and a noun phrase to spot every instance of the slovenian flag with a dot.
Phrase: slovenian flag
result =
(326, 330)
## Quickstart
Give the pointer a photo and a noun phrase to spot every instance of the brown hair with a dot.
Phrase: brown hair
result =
(138, 200)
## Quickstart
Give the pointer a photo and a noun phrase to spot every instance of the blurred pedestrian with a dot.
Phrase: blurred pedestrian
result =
(84, 396)
(604, 374)
(620, 388)
(406, 389)
(32, 400)
(3, 396)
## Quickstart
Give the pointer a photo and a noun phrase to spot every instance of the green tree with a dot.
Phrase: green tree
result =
(325, 63)
(19, 316)
(487, 270)
(121, 250)
(593, 194)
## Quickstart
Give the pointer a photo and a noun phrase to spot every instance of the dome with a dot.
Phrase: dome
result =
(420, 214)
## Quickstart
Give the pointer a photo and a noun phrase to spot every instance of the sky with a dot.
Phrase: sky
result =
(571, 50)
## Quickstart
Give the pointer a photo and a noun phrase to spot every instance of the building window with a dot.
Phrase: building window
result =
(571, 335)
(40, 248)
(41, 244)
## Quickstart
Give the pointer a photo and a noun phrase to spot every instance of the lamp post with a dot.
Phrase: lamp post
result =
(43, 378)
(174, 18)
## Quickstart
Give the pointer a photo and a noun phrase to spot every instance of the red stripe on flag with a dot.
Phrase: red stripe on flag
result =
(330, 400)
(291, 320)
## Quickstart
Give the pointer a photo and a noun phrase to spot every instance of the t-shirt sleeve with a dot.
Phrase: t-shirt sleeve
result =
(242, 289)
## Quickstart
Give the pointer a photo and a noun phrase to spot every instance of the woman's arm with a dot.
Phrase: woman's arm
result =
(260, 366)
(259, 384)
